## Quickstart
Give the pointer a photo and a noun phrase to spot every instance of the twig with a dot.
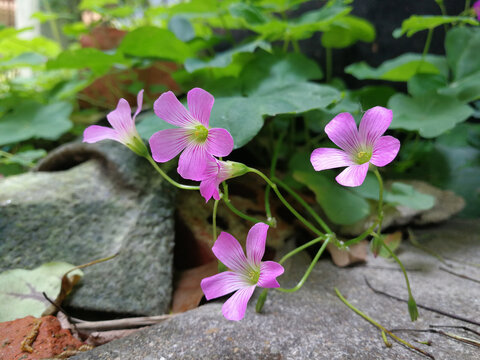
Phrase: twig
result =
(122, 323)
(450, 335)
(456, 327)
(459, 275)
(441, 312)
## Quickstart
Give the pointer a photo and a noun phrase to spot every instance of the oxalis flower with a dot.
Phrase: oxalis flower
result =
(359, 148)
(476, 8)
(193, 136)
(216, 172)
(123, 127)
(246, 272)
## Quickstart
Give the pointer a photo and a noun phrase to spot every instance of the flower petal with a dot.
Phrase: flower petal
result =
(168, 108)
(229, 251)
(121, 119)
(342, 130)
(209, 186)
(269, 270)
(385, 150)
(200, 103)
(235, 307)
(374, 123)
(326, 158)
(256, 239)
(95, 133)
(166, 144)
(193, 162)
(209, 189)
(219, 142)
(139, 104)
(353, 175)
(222, 284)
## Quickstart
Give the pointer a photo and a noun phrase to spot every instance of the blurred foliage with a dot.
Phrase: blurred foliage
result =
(248, 54)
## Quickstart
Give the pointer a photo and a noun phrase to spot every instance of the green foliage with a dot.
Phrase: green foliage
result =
(417, 23)
(346, 31)
(225, 58)
(34, 120)
(430, 114)
(401, 68)
(96, 60)
(153, 42)
(21, 291)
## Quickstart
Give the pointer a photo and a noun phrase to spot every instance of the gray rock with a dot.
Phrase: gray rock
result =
(447, 205)
(314, 324)
(87, 202)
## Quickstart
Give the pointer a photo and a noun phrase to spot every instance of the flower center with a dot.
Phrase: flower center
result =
(200, 133)
(363, 157)
(253, 275)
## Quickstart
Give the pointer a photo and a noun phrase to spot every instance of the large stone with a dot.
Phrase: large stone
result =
(87, 202)
(314, 324)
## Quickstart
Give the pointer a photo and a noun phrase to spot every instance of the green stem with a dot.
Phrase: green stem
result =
(361, 236)
(309, 270)
(370, 320)
(380, 200)
(237, 212)
(467, 5)
(426, 48)
(411, 300)
(286, 203)
(300, 248)
(302, 202)
(328, 63)
(53, 24)
(273, 167)
(214, 219)
(295, 45)
(168, 178)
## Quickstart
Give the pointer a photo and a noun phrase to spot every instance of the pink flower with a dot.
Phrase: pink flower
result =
(123, 127)
(476, 8)
(359, 148)
(216, 172)
(193, 136)
(246, 272)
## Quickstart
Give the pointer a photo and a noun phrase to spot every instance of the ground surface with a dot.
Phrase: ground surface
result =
(314, 324)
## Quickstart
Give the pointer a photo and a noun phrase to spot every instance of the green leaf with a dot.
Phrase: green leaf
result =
(302, 27)
(270, 70)
(21, 290)
(243, 116)
(94, 59)
(416, 23)
(401, 68)
(398, 194)
(43, 17)
(248, 12)
(341, 205)
(461, 46)
(29, 59)
(33, 120)
(430, 114)
(371, 96)
(25, 158)
(423, 84)
(181, 27)
(225, 58)
(347, 31)
(95, 4)
(466, 89)
(153, 42)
